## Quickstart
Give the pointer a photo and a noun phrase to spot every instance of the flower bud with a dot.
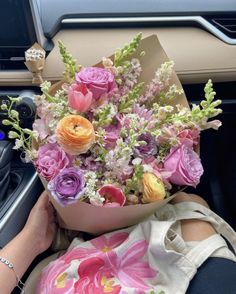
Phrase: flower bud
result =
(6, 122)
(132, 199)
(27, 131)
(13, 135)
(15, 99)
(3, 107)
(153, 188)
(16, 126)
(14, 113)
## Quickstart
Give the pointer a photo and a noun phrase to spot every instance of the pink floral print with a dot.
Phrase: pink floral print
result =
(95, 278)
(54, 279)
(104, 268)
(102, 244)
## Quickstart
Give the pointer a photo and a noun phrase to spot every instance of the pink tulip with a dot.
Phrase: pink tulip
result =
(79, 97)
(114, 196)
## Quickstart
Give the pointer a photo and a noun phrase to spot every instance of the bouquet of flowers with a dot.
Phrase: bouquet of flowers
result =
(115, 141)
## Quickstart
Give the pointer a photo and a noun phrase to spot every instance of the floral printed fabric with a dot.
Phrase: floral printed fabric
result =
(149, 258)
(100, 269)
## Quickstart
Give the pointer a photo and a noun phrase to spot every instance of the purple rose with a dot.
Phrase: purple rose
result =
(185, 166)
(148, 149)
(97, 80)
(51, 160)
(68, 186)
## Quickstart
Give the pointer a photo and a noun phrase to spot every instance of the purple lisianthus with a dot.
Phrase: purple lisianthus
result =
(68, 186)
(148, 149)
(184, 165)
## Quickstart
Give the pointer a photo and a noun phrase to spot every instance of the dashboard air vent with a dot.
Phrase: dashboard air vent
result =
(12, 58)
(226, 25)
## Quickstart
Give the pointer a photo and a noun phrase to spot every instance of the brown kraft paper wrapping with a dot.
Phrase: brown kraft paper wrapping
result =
(85, 217)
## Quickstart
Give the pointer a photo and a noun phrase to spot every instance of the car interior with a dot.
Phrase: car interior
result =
(199, 36)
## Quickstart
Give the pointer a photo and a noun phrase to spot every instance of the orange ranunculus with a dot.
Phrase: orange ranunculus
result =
(75, 134)
(153, 188)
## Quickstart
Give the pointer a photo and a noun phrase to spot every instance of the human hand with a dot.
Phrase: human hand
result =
(40, 227)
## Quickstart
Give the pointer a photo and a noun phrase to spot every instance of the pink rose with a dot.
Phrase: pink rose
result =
(98, 80)
(79, 97)
(185, 166)
(51, 160)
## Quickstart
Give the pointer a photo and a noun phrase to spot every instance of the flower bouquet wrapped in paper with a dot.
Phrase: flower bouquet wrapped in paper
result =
(35, 61)
(113, 142)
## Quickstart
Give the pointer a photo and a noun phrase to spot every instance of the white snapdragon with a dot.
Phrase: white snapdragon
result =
(164, 73)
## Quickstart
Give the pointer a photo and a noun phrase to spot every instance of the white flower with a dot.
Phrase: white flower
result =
(96, 199)
(164, 73)
(107, 62)
(91, 189)
(214, 124)
(33, 54)
(137, 161)
(18, 144)
(173, 91)
(147, 168)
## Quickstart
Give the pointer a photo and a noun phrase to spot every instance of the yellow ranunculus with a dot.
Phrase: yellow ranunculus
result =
(153, 188)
